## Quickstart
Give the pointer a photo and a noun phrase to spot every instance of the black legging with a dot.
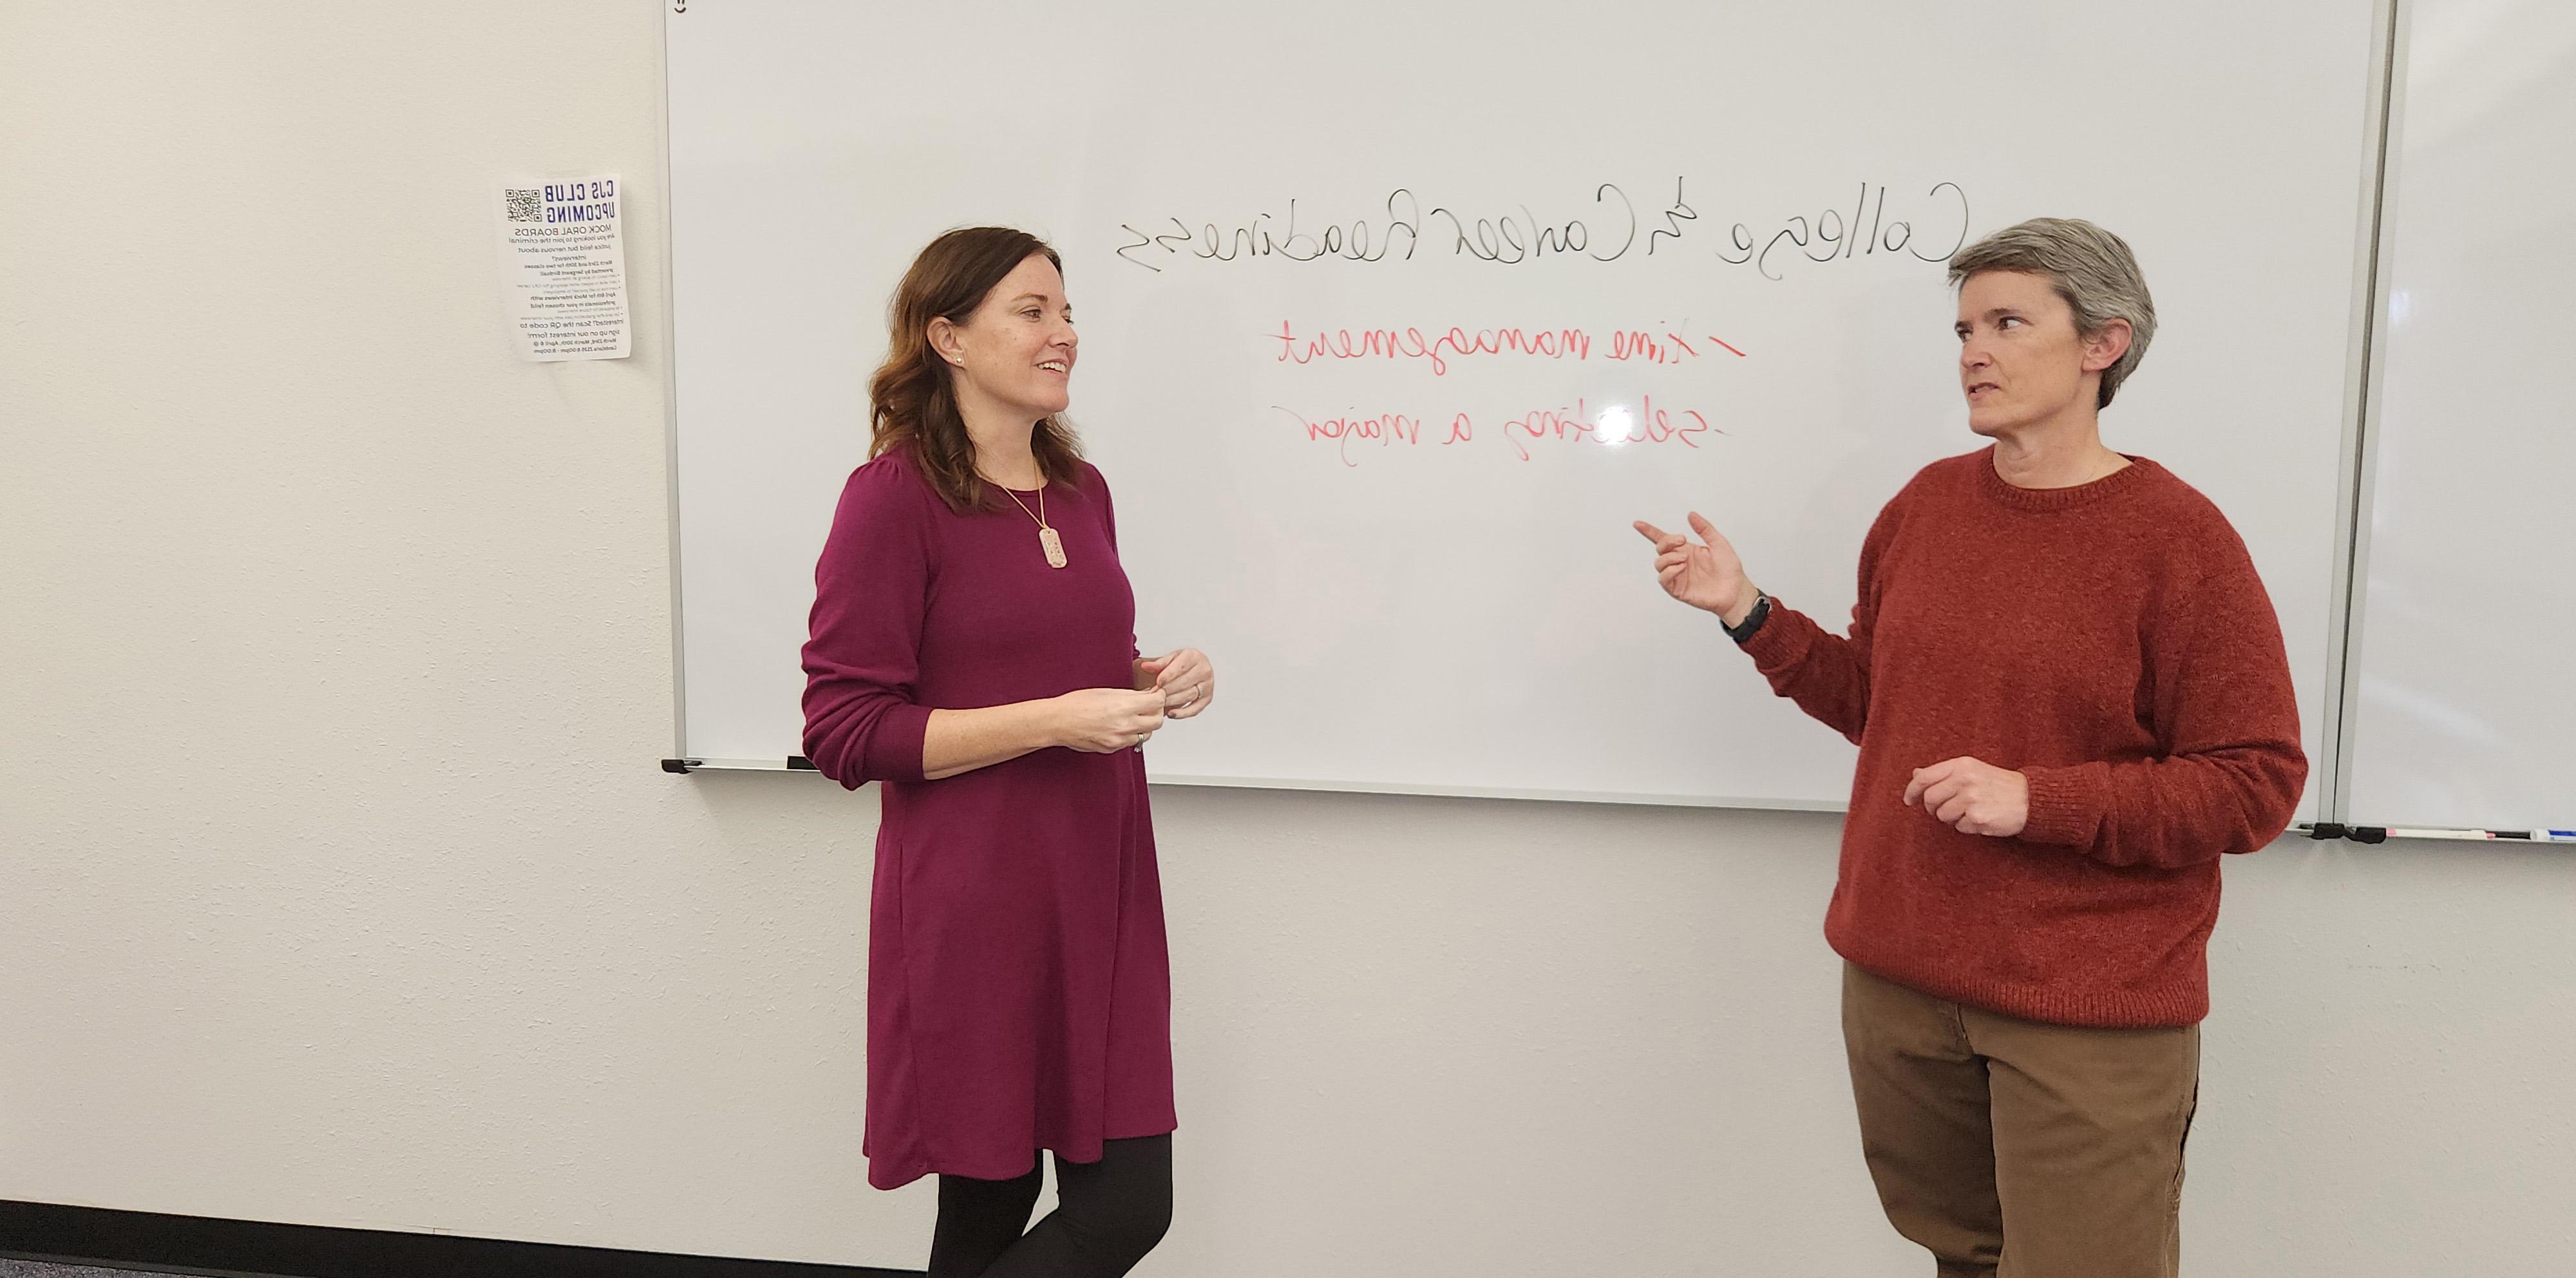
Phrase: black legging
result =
(1108, 1214)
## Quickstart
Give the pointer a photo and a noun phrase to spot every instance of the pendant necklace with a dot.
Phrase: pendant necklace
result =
(1047, 540)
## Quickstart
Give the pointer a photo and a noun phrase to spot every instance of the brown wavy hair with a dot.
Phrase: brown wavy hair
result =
(913, 402)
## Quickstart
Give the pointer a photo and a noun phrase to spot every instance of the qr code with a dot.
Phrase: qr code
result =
(523, 205)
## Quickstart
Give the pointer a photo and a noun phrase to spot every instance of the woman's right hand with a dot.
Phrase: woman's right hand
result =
(1107, 720)
(1704, 574)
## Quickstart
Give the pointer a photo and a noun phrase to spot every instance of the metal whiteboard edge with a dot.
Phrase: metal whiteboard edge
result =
(1504, 792)
(1611, 798)
(2361, 457)
(671, 416)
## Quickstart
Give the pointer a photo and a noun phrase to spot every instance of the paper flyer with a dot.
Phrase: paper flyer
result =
(563, 260)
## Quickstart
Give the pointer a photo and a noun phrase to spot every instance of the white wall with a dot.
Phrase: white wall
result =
(340, 887)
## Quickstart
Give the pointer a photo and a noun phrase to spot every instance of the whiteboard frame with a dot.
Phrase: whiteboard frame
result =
(669, 328)
(2363, 466)
(2365, 357)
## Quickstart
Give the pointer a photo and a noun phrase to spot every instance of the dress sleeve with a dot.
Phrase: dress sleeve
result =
(1109, 526)
(2226, 720)
(863, 652)
(1828, 674)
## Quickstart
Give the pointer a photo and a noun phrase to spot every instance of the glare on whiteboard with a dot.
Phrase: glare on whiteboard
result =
(1617, 426)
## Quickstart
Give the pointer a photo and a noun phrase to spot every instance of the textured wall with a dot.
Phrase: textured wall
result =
(340, 887)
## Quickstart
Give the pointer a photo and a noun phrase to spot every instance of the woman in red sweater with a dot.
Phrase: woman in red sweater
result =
(2071, 699)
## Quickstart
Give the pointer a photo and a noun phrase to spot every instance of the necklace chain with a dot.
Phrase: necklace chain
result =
(1048, 541)
(1039, 514)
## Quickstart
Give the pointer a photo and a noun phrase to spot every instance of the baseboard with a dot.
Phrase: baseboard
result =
(207, 1245)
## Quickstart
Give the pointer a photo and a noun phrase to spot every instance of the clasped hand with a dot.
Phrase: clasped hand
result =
(1107, 720)
(1176, 685)
(1184, 676)
(1972, 796)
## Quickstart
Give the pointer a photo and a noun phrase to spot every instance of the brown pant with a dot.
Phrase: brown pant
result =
(2019, 1149)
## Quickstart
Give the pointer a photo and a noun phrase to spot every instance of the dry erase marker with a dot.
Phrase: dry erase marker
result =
(2562, 836)
(2400, 832)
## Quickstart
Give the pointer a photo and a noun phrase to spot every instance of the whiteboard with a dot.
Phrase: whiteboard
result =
(1392, 610)
(2462, 698)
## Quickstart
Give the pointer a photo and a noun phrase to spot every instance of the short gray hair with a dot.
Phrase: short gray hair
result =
(2092, 269)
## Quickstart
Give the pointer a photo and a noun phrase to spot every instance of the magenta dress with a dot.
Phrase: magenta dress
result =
(1019, 991)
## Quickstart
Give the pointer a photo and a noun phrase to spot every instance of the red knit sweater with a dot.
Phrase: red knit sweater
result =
(2112, 642)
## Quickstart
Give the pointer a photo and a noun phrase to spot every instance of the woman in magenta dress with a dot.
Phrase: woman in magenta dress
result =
(973, 648)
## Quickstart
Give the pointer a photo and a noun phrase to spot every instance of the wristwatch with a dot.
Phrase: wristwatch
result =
(1753, 618)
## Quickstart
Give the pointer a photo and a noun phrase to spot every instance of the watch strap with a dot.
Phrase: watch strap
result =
(1753, 619)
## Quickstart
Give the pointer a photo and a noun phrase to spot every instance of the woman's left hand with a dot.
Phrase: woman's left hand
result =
(1973, 796)
(1186, 677)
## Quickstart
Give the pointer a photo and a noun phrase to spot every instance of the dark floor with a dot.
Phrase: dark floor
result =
(38, 1269)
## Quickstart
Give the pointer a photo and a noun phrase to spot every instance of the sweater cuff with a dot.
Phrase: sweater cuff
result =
(2067, 804)
(1782, 641)
(894, 744)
